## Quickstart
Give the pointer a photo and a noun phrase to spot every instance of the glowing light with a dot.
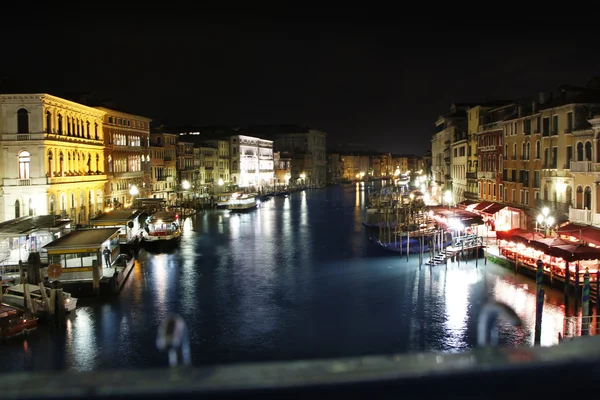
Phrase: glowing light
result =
(133, 190)
(220, 182)
(185, 185)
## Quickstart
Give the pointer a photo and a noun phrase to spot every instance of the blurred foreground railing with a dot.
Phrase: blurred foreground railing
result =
(484, 372)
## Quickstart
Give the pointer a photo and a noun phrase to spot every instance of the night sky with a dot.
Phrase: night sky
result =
(379, 82)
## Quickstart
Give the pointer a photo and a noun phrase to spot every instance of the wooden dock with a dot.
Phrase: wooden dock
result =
(459, 245)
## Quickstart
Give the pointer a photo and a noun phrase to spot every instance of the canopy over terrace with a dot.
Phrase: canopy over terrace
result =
(126, 220)
(19, 236)
(554, 247)
(583, 234)
(443, 215)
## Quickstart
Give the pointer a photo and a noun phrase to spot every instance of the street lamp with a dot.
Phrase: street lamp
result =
(448, 198)
(185, 185)
(545, 220)
(133, 191)
(220, 183)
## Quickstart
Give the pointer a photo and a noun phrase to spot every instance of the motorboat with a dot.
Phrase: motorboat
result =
(14, 322)
(15, 296)
(243, 203)
(162, 226)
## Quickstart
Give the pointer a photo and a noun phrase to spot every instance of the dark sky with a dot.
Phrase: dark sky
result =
(377, 79)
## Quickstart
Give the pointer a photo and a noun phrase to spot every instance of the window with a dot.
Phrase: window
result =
(60, 124)
(537, 150)
(22, 121)
(17, 209)
(48, 122)
(24, 159)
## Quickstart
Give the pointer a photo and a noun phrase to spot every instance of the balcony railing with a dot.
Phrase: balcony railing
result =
(554, 206)
(581, 166)
(471, 175)
(580, 216)
(491, 126)
(488, 148)
(76, 179)
(486, 175)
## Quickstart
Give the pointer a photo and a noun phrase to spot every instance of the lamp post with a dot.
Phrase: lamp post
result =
(133, 191)
(448, 198)
(545, 220)
(220, 184)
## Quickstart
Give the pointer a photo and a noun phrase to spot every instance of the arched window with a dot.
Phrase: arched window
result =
(22, 121)
(514, 154)
(61, 166)
(569, 195)
(579, 151)
(527, 153)
(87, 129)
(587, 198)
(63, 202)
(24, 159)
(96, 131)
(588, 151)
(50, 163)
(48, 122)
(523, 151)
(579, 198)
(52, 206)
(537, 150)
(30, 207)
(17, 209)
(60, 124)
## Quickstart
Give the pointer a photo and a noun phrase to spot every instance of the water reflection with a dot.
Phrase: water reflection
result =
(522, 299)
(82, 341)
(297, 278)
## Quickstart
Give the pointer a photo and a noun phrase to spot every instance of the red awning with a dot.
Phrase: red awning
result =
(585, 233)
(482, 205)
(493, 208)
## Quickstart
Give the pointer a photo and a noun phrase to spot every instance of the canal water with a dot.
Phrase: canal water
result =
(296, 279)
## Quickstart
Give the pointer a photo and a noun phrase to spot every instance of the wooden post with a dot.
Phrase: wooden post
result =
(576, 286)
(96, 270)
(57, 302)
(567, 283)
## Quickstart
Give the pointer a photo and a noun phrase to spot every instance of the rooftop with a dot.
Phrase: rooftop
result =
(119, 217)
(83, 238)
(26, 225)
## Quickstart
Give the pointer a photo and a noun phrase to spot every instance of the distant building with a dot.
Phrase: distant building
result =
(127, 156)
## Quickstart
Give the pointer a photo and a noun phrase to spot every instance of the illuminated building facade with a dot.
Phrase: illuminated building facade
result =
(127, 155)
(251, 161)
(52, 157)
(163, 165)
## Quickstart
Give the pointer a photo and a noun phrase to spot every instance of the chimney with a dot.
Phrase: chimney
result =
(542, 97)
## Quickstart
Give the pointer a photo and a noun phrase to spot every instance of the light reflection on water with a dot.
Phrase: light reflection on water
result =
(297, 278)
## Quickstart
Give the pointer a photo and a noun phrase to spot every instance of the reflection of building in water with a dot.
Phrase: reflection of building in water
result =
(523, 301)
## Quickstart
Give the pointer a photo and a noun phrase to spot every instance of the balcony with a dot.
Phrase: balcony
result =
(76, 179)
(491, 126)
(555, 207)
(585, 166)
(471, 175)
(24, 182)
(580, 216)
(129, 174)
(488, 148)
(487, 175)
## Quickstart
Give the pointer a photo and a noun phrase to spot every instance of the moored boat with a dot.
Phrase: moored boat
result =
(13, 322)
(15, 296)
(162, 226)
(243, 203)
